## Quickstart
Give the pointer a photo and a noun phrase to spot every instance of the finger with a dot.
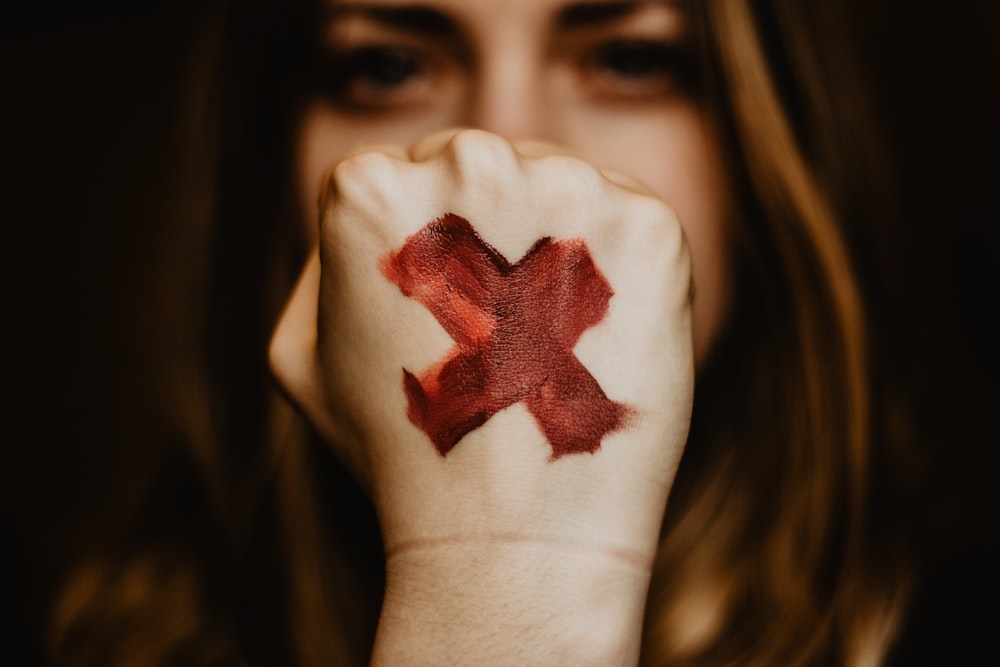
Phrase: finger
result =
(392, 150)
(354, 167)
(433, 145)
(536, 148)
(626, 181)
(292, 352)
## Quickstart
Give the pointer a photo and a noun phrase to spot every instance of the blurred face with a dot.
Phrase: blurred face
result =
(614, 82)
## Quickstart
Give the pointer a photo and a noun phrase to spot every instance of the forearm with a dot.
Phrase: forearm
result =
(512, 600)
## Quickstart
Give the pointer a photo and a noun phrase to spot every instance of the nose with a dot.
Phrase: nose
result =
(510, 98)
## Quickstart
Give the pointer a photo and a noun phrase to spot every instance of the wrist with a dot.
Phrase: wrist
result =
(512, 600)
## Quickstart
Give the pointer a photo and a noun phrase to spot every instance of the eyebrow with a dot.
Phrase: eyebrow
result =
(587, 14)
(414, 18)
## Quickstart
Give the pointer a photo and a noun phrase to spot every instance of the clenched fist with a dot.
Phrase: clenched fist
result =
(496, 339)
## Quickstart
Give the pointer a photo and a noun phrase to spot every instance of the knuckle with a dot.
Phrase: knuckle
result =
(360, 192)
(474, 151)
(657, 224)
(363, 178)
(657, 234)
(570, 179)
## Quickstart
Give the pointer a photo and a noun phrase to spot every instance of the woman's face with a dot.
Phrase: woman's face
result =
(614, 81)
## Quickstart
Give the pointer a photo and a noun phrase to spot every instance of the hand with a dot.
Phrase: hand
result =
(509, 512)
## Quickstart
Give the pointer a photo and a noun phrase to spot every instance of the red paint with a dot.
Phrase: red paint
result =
(515, 326)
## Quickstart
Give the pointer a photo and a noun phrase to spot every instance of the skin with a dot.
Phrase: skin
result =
(500, 553)
(514, 69)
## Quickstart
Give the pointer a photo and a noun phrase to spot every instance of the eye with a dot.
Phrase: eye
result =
(636, 68)
(632, 59)
(382, 67)
(377, 77)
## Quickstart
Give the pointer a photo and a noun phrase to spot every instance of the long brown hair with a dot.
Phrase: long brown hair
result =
(766, 557)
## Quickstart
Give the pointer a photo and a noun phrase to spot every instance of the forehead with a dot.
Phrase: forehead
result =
(592, 9)
(447, 16)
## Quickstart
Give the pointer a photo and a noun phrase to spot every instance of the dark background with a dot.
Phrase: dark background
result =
(92, 124)
(91, 134)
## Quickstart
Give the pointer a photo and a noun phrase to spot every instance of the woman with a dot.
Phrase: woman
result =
(613, 83)
(770, 551)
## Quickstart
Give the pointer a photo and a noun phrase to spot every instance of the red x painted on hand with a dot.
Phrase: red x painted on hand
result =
(515, 326)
